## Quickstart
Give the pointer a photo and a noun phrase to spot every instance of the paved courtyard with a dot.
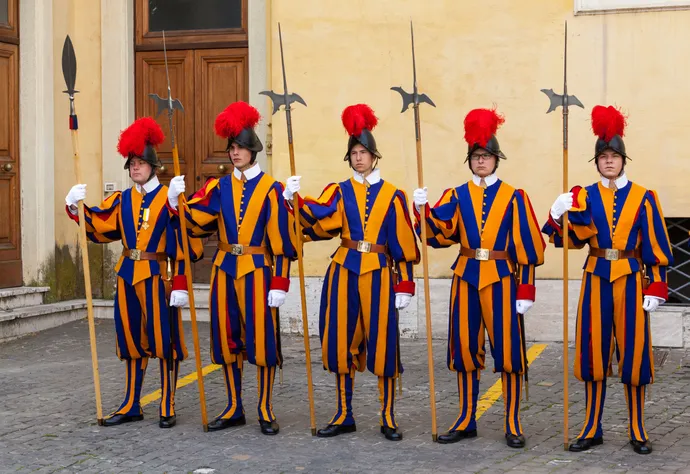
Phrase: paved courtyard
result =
(47, 417)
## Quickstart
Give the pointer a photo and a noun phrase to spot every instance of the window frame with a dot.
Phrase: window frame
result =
(10, 33)
(585, 7)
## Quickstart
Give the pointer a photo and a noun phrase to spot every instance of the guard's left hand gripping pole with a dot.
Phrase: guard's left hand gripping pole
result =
(69, 71)
(170, 105)
(285, 100)
(415, 99)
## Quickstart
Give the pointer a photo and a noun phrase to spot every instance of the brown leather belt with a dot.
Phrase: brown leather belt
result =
(614, 254)
(484, 254)
(362, 246)
(239, 249)
(137, 255)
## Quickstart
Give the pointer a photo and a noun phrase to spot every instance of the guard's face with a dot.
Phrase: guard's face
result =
(140, 171)
(361, 159)
(610, 164)
(241, 157)
(482, 162)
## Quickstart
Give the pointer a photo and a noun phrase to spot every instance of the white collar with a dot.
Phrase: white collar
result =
(151, 185)
(249, 173)
(373, 177)
(621, 181)
(489, 180)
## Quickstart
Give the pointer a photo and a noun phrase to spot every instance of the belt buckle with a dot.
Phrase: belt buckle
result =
(363, 246)
(612, 255)
(135, 254)
(481, 254)
(236, 249)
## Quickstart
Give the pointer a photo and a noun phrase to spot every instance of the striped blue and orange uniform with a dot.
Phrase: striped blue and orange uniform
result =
(358, 321)
(484, 292)
(248, 212)
(611, 297)
(145, 325)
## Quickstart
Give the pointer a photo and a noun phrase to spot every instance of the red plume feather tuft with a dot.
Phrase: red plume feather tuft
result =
(481, 125)
(133, 139)
(607, 122)
(358, 117)
(235, 118)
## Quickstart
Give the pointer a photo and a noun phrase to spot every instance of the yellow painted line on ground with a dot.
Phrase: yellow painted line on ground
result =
(186, 380)
(496, 390)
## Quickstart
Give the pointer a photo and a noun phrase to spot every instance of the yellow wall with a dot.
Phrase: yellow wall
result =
(81, 19)
(474, 54)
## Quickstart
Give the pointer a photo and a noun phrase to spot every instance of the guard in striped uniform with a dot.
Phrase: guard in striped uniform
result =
(370, 277)
(151, 262)
(624, 226)
(493, 280)
(251, 268)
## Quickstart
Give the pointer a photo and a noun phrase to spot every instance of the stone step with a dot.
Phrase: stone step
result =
(22, 296)
(19, 322)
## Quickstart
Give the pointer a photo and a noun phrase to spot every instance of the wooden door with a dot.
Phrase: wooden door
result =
(10, 214)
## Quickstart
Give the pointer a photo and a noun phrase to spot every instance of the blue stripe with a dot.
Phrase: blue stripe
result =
(128, 221)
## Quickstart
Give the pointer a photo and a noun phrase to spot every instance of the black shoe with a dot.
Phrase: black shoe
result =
(642, 447)
(269, 427)
(118, 419)
(584, 444)
(455, 436)
(222, 423)
(515, 441)
(167, 421)
(391, 434)
(335, 430)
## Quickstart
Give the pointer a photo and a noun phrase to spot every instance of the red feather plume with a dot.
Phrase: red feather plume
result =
(358, 117)
(235, 118)
(481, 125)
(133, 139)
(607, 122)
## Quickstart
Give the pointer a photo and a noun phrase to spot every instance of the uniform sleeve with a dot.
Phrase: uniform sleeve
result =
(202, 210)
(402, 243)
(526, 247)
(442, 221)
(102, 222)
(322, 218)
(280, 231)
(173, 247)
(580, 225)
(656, 246)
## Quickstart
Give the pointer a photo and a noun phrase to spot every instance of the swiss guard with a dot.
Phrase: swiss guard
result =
(370, 277)
(251, 268)
(152, 262)
(624, 278)
(493, 275)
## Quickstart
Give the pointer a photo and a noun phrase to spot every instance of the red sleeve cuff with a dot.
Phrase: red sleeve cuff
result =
(526, 292)
(74, 217)
(658, 289)
(405, 287)
(427, 212)
(179, 282)
(555, 226)
(171, 209)
(280, 283)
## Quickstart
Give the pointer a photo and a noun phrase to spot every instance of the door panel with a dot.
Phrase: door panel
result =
(10, 228)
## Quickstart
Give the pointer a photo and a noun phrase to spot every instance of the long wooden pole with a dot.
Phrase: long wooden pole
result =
(566, 238)
(87, 283)
(192, 308)
(425, 267)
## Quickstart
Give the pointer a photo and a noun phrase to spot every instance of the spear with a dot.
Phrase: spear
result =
(69, 71)
(414, 99)
(564, 101)
(285, 99)
(170, 104)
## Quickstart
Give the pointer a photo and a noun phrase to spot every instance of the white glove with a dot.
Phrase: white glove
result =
(176, 188)
(522, 306)
(402, 300)
(292, 187)
(276, 298)
(179, 298)
(651, 303)
(561, 205)
(420, 198)
(76, 194)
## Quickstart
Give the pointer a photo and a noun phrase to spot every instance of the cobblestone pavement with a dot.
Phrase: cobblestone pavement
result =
(47, 418)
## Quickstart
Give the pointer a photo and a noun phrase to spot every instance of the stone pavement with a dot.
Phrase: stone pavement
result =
(47, 418)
